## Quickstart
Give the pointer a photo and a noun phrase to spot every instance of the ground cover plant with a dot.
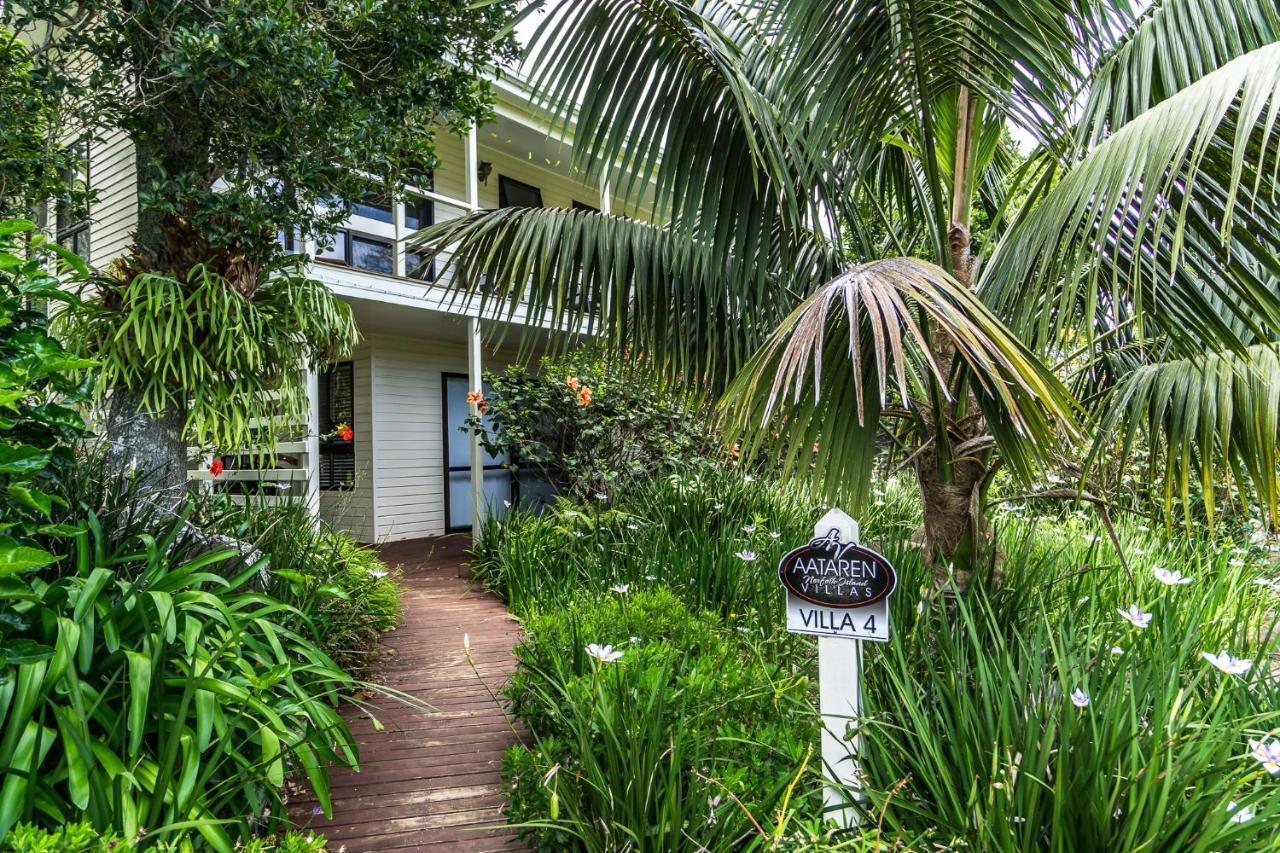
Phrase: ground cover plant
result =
(1076, 705)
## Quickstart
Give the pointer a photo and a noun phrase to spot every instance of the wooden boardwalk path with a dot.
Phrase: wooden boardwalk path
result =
(430, 781)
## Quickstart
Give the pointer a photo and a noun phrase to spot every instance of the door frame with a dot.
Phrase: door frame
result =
(445, 376)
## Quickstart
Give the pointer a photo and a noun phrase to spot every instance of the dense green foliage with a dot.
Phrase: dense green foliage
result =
(253, 123)
(31, 169)
(835, 231)
(231, 362)
(82, 838)
(157, 686)
(683, 696)
(973, 736)
(38, 389)
(585, 423)
(261, 116)
(161, 673)
(346, 594)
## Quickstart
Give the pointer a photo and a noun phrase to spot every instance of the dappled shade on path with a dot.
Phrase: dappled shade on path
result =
(430, 781)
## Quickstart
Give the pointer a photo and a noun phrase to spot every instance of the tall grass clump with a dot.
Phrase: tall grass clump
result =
(1082, 702)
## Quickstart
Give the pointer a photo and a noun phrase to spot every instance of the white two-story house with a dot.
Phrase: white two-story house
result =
(409, 470)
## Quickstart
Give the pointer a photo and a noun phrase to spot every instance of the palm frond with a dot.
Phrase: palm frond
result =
(1204, 420)
(669, 97)
(1172, 45)
(635, 286)
(1141, 194)
(816, 390)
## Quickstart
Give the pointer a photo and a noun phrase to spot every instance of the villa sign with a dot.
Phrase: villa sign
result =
(836, 587)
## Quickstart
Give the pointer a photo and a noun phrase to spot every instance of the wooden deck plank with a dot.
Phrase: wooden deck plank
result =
(429, 781)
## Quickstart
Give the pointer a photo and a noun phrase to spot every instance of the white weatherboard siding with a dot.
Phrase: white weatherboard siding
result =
(408, 432)
(113, 176)
(353, 510)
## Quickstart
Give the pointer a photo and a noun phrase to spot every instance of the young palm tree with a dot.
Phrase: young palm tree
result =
(811, 172)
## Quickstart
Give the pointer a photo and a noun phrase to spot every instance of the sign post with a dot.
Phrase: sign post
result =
(839, 591)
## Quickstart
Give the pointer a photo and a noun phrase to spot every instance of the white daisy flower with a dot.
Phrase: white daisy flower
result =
(1116, 650)
(1267, 753)
(775, 535)
(601, 496)
(604, 654)
(1228, 663)
(378, 573)
(1136, 616)
(1238, 814)
(1079, 698)
(1170, 578)
(748, 528)
(621, 588)
(651, 577)
(747, 554)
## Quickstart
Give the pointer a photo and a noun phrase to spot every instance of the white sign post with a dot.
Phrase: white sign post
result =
(826, 583)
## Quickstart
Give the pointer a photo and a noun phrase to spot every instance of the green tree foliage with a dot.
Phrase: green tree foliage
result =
(39, 387)
(249, 119)
(254, 117)
(816, 169)
(33, 165)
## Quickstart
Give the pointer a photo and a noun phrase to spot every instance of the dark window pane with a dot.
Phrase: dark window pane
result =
(584, 207)
(337, 468)
(415, 268)
(369, 253)
(418, 212)
(373, 207)
(513, 193)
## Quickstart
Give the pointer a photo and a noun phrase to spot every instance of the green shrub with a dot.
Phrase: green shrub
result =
(587, 424)
(972, 738)
(38, 392)
(151, 685)
(83, 838)
(350, 597)
(649, 752)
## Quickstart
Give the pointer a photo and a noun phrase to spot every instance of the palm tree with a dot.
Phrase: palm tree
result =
(804, 178)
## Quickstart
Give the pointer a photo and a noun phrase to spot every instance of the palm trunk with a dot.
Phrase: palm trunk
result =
(955, 533)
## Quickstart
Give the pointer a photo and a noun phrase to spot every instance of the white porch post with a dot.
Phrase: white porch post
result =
(475, 383)
(312, 438)
(471, 165)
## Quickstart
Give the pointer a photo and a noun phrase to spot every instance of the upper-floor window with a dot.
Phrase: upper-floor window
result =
(71, 212)
(374, 207)
(419, 213)
(513, 193)
(584, 207)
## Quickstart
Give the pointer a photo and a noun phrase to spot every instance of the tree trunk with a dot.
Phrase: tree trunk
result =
(148, 446)
(954, 535)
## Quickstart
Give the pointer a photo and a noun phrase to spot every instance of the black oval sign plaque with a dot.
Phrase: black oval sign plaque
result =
(833, 573)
